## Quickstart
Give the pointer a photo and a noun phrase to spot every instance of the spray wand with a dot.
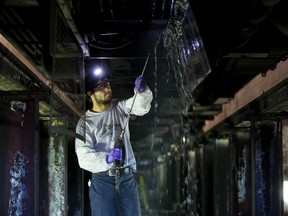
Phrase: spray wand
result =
(120, 144)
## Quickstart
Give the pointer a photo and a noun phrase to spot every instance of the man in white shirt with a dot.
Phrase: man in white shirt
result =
(102, 126)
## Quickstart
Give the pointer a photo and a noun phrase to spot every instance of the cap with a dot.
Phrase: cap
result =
(92, 80)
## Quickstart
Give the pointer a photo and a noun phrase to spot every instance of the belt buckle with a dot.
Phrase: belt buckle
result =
(110, 173)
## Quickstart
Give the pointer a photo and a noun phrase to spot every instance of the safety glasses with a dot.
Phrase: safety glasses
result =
(102, 86)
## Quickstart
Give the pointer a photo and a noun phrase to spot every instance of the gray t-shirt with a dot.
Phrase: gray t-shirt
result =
(100, 132)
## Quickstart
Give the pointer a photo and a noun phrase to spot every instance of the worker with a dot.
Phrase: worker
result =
(102, 125)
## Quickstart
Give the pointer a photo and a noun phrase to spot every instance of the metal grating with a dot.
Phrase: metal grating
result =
(63, 43)
(67, 76)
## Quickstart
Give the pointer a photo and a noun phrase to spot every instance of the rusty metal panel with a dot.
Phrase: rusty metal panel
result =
(57, 175)
(53, 173)
(267, 159)
(208, 177)
(189, 187)
(76, 183)
(241, 173)
(285, 164)
(61, 179)
(17, 158)
(222, 178)
(43, 164)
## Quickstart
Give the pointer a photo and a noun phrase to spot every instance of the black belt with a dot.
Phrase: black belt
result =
(111, 172)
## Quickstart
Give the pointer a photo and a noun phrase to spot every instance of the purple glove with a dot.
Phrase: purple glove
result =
(115, 154)
(140, 84)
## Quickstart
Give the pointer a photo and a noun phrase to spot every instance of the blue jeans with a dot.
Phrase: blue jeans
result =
(105, 201)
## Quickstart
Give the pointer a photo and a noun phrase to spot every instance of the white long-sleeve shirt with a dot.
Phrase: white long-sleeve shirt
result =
(100, 132)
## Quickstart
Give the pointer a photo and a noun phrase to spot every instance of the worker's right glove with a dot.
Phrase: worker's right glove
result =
(115, 154)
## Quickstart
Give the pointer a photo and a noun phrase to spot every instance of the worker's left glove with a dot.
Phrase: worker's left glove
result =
(140, 84)
(115, 154)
